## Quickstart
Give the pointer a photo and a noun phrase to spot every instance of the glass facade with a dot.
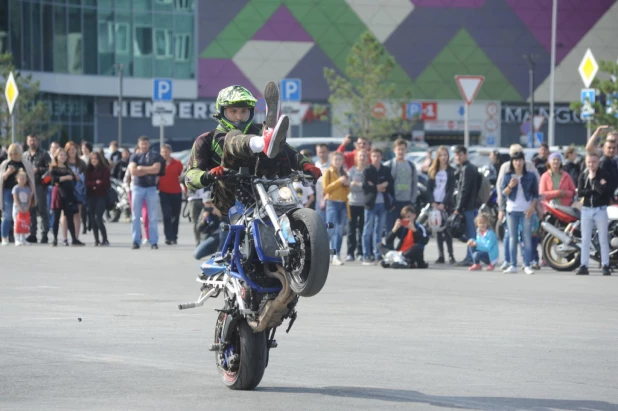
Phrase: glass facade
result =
(74, 115)
(151, 38)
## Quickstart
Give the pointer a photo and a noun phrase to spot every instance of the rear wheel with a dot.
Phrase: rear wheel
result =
(309, 267)
(558, 260)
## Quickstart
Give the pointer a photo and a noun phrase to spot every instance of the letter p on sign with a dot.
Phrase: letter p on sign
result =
(291, 89)
(162, 89)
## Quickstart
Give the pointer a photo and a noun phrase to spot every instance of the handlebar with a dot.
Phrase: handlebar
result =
(235, 175)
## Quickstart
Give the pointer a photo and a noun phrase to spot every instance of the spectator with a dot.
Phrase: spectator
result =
(514, 148)
(519, 196)
(323, 164)
(405, 181)
(8, 179)
(78, 167)
(114, 153)
(120, 166)
(209, 226)
(484, 248)
(378, 189)
(306, 153)
(63, 195)
(556, 184)
(540, 158)
(609, 163)
(23, 198)
(440, 189)
(104, 159)
(336, 185)
(304, 193)
(195, 211)
(412, 240)
(356, 206)
(53, 146)
(128, 182)
(427, 162)
(467, 186)
(97, 184)
(362, 144)
(39, 160)
(86, 150)
(144, 168)
(596, 192)
(170, 195)
(495, 161)
(593, 141)
(572, 166)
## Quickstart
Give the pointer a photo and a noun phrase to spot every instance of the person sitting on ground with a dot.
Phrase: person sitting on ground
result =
(484, 248)
(209, 226)
(237, 142)
(410, 252)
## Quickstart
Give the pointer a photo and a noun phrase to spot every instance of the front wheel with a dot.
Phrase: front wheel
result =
(557, 259)
(309, 267)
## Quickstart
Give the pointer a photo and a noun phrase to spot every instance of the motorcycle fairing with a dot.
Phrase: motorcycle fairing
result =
(265, 242)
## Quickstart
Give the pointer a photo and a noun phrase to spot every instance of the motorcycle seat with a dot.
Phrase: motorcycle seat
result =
(572, 211)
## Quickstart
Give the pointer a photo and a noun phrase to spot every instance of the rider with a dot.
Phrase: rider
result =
(237, 142)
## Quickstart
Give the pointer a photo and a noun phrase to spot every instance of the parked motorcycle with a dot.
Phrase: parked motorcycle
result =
(562, 247)
(275, 251)
(122, 206)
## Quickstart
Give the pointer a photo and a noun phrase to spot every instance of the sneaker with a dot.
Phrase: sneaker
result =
(535, 266)
(440, 260)
(65, 243)
(271, 97)
(475, 267)
(144, 241)
(583, 270)
(135, 246)
(31, 239)
(490, 267)
(336, 261)
(274, 137)
(5, 242)
(505, 265)
(510, 270)
(105, 243)
(451, 260)
(154, 247)
(606, 270)
(464, 263)
(168, 242)
(368, 261)
(349, 258)
(528, 270)
(44, 240)
(77, 243)
(18, 243)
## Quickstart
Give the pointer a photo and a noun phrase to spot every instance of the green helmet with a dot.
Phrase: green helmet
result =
(235, 96)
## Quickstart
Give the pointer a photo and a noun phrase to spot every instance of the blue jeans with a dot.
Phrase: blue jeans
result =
(480, 256)
(470, 230)
(51, 212)
(506, 241)
(336, 213)
(372, 231)
(7, 213)
(598, 216)
(210, 245)
(139, 195)
(514, 219)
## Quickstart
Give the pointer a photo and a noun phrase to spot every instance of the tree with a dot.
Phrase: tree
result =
(32, 114)
(367, 84)
(606, 101)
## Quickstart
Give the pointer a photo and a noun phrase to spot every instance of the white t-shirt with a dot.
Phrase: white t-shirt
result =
(520, 203)
(439, 192)
(303, 192)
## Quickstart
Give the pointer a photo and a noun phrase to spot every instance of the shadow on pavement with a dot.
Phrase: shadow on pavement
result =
(471, 403)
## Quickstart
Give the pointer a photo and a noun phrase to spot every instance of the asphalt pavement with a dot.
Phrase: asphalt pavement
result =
(99, 329)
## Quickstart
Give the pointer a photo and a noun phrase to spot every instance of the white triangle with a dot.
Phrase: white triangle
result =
(537, 122)
(469, 86)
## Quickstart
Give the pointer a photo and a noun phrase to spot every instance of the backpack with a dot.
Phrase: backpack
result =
(484, 189)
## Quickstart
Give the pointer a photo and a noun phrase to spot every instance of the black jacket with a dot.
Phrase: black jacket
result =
(592, 191)
(420, 236)
(467, 186)
(375, 176)
(451, 182)
(39, 162)
(610, 166)
(120, 169)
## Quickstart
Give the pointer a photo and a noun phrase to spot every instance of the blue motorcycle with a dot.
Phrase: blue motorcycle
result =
(275, 252)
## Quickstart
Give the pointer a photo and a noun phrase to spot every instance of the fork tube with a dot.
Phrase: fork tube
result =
(270, 210)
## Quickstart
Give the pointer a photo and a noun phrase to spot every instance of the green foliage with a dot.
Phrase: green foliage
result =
(366, 84)
(32, 115)
(605, 82)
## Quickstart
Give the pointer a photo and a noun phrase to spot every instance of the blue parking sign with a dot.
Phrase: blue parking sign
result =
(290, 89)
(162, 89)
(414, 109)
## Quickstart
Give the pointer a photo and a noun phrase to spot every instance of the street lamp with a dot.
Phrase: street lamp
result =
(551, 132)
(531, 58)
(119, 68)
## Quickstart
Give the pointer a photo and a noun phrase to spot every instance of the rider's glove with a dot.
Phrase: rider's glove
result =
(209, 177)
(217, 171)
(313, 170)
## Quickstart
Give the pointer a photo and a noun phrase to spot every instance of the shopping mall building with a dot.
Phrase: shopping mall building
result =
(75, 48)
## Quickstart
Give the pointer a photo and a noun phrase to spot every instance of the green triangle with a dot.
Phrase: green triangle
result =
(463, 56)
(215, 51)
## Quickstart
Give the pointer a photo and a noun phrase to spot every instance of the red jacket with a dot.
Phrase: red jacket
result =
(92, 175)
(546, 187)
(348, 156)
(170, 182)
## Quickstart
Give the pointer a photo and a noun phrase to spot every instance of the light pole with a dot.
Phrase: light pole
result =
(531, 58)
(119, 68)
(551, 132)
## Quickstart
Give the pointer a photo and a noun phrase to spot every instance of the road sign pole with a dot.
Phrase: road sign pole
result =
(466, 128)
(13, 127)
(161, 135)
(588, 126)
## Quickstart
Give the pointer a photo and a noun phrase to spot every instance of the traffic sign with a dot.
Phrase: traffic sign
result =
(490, 140)
(291, 89)
(588, 68)
(587, 98)
(379, 110)
(11, 92)
(163, 113)
(537, 122)
(469, 86)
(429, 110)
(611, 104)
(162, 89)
(414, 110)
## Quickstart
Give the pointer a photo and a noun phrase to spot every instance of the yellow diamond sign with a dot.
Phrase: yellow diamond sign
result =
(588, 68)
(11, 92)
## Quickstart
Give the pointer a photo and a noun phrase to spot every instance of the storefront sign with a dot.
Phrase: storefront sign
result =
(189, 110)
(519, 113)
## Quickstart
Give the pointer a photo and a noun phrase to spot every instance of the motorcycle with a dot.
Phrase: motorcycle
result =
(122, 206)
(275, 252)
(562, 248)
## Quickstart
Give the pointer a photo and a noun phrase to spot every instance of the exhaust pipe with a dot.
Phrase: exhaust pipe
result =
(273, 311)
(560, 235)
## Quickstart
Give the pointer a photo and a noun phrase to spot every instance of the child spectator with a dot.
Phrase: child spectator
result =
(412, 240)
(23, 199)
(485, 248)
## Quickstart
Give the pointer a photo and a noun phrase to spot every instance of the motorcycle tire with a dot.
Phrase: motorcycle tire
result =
(548, 242)
(316, 261)
(253, 350)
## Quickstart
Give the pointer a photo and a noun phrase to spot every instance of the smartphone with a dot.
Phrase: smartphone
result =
(405, 222)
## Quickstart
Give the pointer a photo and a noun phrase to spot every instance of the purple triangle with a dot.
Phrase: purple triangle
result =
(215, 74)
(282, 26)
